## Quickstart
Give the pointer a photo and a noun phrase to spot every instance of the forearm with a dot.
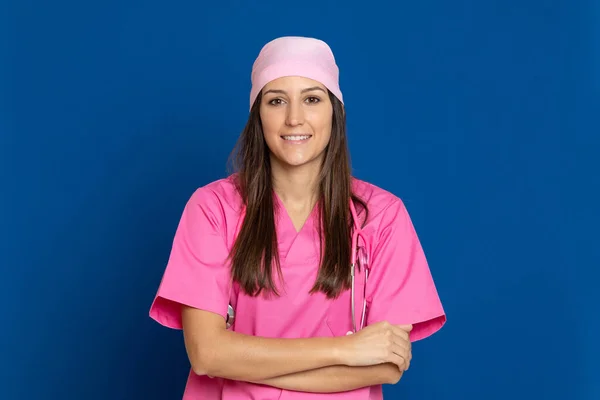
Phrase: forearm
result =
(338, 378)
(248, 358)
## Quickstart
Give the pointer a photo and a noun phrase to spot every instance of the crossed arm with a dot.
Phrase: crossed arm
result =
(336, 378)
(319, 363)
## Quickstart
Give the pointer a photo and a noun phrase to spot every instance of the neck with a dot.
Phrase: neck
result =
(297, 187)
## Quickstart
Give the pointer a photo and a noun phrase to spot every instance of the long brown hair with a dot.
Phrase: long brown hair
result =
(255, 247)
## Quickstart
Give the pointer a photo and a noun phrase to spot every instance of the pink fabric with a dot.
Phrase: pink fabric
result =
(295, 56)
(400, 288)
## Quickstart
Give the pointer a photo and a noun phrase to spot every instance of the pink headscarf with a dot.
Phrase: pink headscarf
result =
(295, 56)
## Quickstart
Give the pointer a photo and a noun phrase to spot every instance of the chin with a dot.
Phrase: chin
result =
(295, 162)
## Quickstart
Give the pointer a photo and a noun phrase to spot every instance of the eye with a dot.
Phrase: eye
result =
(275, 102)
(313, 99)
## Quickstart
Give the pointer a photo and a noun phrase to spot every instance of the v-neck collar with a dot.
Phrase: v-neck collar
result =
(288, 237)
(283, 216)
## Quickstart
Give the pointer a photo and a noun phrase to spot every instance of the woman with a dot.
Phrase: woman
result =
(300, 331)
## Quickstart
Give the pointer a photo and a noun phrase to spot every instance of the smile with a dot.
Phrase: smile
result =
(296, 138)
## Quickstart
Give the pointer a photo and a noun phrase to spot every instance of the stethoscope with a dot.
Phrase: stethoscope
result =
(357, 234)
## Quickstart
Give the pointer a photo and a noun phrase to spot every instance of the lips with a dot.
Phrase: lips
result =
(296, 138)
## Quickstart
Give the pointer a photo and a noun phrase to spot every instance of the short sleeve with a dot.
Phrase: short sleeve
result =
(400, 288)
(196, 274)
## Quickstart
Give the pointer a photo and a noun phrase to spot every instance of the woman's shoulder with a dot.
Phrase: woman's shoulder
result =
(376, 197)
(221, 193)
(383, 206)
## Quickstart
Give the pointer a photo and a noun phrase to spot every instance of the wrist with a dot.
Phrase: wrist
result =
(340, 352)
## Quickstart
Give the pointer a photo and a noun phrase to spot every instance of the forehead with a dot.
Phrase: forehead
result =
(293, 83)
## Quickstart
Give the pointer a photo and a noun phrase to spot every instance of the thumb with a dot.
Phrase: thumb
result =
(406, 328)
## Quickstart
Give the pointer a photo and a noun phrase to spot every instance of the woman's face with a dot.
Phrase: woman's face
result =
(296, 116)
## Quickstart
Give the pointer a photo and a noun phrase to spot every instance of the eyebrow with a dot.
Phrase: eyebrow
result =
(310, 89)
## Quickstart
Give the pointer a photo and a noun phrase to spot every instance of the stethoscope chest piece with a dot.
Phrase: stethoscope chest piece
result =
(230, 316)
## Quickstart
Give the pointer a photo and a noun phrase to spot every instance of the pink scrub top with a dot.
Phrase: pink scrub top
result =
(400, 288)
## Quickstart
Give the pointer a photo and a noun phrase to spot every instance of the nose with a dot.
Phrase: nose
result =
(295, 114)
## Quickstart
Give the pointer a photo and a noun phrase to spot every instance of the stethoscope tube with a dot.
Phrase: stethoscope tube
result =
(356, 235)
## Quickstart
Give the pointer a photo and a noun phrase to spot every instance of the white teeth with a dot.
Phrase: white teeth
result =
(297, 137)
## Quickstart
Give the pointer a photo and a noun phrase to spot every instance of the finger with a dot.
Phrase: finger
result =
(408, 360)
(403, 345)
(399, 361)
(407, 357)
(406, 328)
(402, 351)
(400, 332)
(400, 337)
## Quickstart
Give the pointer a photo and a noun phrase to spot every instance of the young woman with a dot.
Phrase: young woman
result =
(324, 273)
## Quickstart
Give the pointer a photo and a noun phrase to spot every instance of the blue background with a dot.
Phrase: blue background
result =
(482, 116)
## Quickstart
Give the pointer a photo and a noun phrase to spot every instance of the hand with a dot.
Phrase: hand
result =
(377, 344)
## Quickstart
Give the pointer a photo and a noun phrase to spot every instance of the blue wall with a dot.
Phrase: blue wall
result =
(482, 116)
